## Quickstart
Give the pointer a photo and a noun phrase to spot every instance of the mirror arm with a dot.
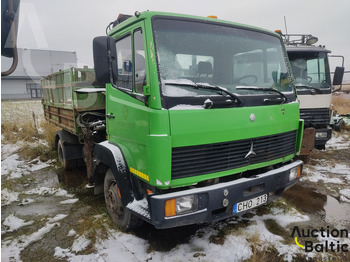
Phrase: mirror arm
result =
(14, 63)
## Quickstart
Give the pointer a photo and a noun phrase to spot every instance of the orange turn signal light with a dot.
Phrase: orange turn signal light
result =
(169, 207)
(299, 172)
(278, 31)
(212, 16)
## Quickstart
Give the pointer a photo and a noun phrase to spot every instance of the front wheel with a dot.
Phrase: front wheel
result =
(339, 126)
(122, 217)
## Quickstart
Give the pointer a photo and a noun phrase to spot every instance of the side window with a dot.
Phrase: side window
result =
(315, 70)
(140, 63)
(124, 49)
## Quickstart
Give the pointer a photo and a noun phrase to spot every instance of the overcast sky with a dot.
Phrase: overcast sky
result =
(70, 25)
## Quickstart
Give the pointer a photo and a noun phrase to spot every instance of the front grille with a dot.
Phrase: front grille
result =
(315, 117)
(210, 158)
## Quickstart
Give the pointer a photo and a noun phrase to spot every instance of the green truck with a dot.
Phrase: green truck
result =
(183, 120)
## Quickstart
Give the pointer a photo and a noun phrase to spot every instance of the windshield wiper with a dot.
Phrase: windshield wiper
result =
(264, 89)
(206, 86)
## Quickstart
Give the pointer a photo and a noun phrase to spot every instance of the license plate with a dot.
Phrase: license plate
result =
(249, 204)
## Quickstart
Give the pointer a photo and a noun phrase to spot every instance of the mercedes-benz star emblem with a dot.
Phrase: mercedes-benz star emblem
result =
(251, 151)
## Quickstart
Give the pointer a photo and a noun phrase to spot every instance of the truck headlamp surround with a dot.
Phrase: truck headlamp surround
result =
(181, 205)
(321, 134)
(294, 173)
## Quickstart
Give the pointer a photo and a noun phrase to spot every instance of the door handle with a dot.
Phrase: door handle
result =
(110, 116)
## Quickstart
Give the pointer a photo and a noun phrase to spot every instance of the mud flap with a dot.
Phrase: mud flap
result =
(308, 142)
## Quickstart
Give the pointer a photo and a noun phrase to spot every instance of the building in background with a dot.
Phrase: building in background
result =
(33, 64)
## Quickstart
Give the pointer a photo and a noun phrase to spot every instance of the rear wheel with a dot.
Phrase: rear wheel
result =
(122, 217)
(61, 155)
(67, 164)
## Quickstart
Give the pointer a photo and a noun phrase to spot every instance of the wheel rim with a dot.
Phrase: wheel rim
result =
(114, 202)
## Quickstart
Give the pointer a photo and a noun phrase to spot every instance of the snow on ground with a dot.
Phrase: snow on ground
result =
(339, 141)
(11, 248)
(128, 247)
(345, 195)
(8, 196)
(12, 223)
(237, 246)
(316, 176)
(13, 167)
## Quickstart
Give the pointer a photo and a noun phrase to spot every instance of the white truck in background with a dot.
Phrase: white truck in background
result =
(312, 76)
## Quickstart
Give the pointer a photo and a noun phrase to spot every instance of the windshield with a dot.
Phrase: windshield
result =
(310, 69)
(192, 52)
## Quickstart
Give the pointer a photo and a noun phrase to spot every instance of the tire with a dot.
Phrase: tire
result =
(61, 154)
(120, 216)
(339, 126)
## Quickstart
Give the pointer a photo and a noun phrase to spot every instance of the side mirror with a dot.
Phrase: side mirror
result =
(105, 59)
(338, 76)
(9, 27)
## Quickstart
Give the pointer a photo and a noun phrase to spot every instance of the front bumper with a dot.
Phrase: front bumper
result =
(211, 198)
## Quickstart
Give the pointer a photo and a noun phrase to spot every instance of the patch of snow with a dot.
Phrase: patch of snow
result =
(235, 248)
(67, 255)
(345, 195)
(13, 167)
(40, 165)
(125, 247)
(283, 218)
(9, 149)
(8, 196)
(80, 244)
(12, 248)
(315, 176)
(57, 218)
(13, 223)
(42, 191)
(69, 201)
(339, 142)
(336, 169)
(72, 233)
(61, 252)
(186, 107)
(266, 238)
(140, 207)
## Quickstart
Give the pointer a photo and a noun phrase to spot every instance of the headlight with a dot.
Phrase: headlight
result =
(321, 134)
(181, 205)
(294, 173)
